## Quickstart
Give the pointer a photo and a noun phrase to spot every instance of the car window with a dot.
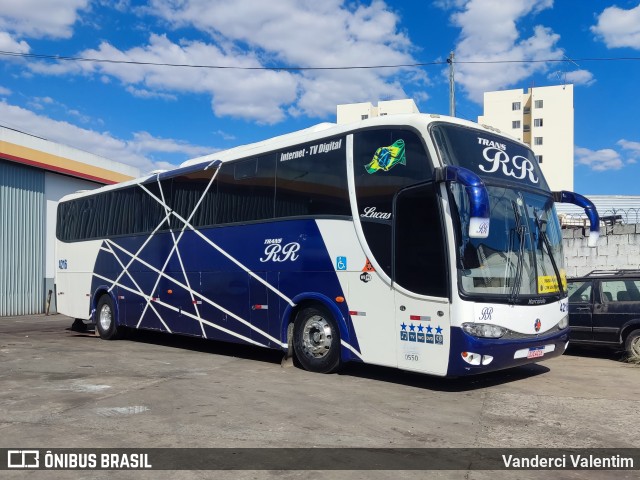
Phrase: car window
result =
(579, 292)
(621, 290)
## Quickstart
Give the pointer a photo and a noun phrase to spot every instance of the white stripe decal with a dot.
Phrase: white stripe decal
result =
(175, 309)
(345, 344)
(219, 249)
(140, 292)
(197, 294)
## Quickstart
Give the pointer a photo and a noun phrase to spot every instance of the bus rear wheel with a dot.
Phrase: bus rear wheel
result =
(106, 319)
(316, 340)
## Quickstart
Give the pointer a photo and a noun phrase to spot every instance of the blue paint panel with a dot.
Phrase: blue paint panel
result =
(502, 351)
(290, 255)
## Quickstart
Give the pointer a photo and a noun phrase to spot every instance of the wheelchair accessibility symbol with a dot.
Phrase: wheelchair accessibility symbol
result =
(341, 263)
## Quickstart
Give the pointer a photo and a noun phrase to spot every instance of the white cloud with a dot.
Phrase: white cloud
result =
(490, 33)
(577, 77)
(137, 151)
(144, 93)
(633, 148)
(619, 27)
(10, 44)
(40, 18)
(599, 160)
(251, 34)
(239, 93)
(144, 142)
(305, 34)
(5, 92)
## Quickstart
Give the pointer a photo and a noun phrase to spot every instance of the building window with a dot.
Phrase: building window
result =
(539, 158)
(538, 104)
(537, 140)
(383, 114)
(364, 117)
(515, 124)
(527, 110)
(537, 122)
(527, 128)
(515, 106)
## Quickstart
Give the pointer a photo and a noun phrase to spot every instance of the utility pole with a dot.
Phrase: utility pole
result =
(452, 87)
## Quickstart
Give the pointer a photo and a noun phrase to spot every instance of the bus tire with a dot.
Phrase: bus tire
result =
(632, 345)
(316, 340)
(106, 319)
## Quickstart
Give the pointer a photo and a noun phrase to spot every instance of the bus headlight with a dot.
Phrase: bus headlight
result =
(484, 330)
(564, 322)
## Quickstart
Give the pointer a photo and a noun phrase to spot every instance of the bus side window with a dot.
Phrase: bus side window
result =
(246, 190)
(312, 180)
(420, 263)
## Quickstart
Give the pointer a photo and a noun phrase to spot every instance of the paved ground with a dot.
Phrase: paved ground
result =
(59, 388)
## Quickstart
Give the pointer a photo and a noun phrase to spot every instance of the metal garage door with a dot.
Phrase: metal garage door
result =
(21, 239)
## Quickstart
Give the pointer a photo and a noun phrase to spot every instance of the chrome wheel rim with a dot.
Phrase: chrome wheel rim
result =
(105, 317)
(634, 349)
(317, 337)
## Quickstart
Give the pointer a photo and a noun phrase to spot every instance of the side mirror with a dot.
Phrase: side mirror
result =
(589, 210)
(477, 194)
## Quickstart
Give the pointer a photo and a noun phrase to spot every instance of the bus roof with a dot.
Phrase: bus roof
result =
(417, 120)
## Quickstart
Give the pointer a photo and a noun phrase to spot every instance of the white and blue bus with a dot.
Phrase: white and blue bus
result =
(421, 242)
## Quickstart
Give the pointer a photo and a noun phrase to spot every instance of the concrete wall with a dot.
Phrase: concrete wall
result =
(618, 247)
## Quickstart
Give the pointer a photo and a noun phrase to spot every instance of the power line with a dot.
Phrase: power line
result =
(352, 67)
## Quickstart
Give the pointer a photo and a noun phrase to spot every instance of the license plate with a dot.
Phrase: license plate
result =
(535, 352)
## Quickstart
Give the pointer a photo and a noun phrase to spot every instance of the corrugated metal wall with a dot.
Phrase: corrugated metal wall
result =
(21, 239)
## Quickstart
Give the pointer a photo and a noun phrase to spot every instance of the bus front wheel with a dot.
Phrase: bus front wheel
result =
(106, 319)
(316, 340)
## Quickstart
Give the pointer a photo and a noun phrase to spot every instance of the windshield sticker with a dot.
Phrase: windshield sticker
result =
(386, 158)
(549, 284)
(517, 166)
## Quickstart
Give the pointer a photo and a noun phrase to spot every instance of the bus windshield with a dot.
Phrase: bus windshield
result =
(522, 257)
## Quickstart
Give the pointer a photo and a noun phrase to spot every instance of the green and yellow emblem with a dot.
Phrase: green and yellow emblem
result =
(386, 158)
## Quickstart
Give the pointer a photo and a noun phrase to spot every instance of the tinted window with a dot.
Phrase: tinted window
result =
(127, 211)
(189, 189)
(621, 291)
(420, 260)
(487, 155)
(385, 161)
(579, 291)
(246, 190)
(312, 179)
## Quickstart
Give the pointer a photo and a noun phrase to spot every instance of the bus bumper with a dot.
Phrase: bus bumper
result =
(471, 355)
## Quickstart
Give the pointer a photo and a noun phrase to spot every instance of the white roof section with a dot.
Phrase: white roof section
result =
(417, 120)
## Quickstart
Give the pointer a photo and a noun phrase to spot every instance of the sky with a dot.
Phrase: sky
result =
(134, 107)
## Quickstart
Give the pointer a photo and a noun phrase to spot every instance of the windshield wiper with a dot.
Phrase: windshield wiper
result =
(520, 230)
(545, 240)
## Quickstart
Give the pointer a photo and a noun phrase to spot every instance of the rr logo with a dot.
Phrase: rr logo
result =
(276, 252)
(23, 459)
(486, 313)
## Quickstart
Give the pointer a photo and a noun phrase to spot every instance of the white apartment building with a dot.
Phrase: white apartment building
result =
(354, 112)
(542, 118)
